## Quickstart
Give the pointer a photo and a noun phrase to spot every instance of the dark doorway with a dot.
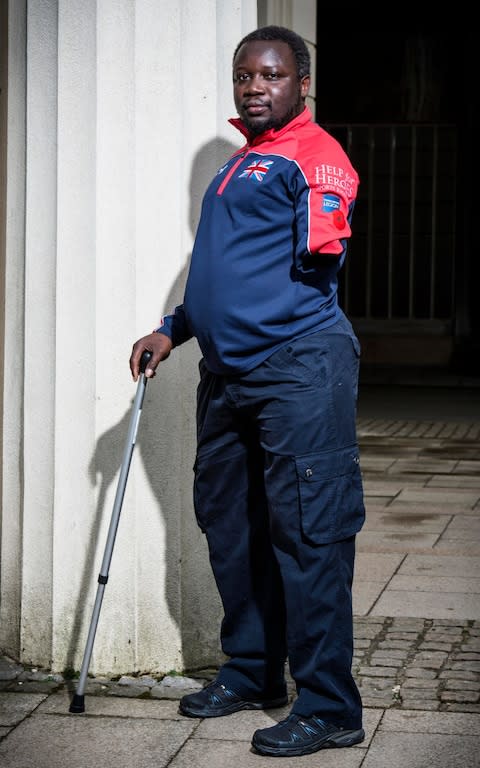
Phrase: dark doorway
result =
(399, 95)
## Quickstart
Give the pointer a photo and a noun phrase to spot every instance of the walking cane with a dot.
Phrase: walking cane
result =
(78, 700)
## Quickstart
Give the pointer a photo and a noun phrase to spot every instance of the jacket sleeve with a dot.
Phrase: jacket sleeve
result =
(327, 202)
(330, 218)
(175, 326)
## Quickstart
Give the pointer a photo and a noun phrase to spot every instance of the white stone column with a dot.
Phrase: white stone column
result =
(40, 329)
(126, 110)
(13, 363)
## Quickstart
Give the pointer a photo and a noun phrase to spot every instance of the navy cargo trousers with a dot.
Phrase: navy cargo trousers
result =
(278, 493)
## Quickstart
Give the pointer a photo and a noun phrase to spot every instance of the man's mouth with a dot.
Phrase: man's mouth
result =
(253, 108)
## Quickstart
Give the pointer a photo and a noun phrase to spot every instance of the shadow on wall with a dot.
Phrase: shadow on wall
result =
(194, 606)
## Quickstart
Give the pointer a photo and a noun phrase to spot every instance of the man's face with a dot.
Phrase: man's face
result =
(266, 87)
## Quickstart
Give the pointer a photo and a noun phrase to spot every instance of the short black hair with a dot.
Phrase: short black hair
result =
(292, 39)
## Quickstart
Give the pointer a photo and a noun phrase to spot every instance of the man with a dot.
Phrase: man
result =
(277, 487)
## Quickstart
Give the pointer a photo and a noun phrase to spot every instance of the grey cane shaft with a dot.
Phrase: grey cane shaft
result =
(112, 531)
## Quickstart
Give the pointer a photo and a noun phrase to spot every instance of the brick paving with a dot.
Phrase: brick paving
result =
(418, 663)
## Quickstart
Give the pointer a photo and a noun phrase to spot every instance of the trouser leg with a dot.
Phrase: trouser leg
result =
(315, 498)
(300, 407)
(321, 658)
(320, 631)
(231, 509)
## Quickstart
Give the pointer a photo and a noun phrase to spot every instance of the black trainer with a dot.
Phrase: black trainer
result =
(299, 735)
(215, 700)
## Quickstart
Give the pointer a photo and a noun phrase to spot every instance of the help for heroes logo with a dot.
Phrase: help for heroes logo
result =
(333, 178)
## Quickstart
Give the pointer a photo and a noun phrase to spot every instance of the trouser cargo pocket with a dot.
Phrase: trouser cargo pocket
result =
(330, 495)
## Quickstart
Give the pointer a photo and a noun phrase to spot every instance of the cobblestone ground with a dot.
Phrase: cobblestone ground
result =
(402, 663)
(418, 663)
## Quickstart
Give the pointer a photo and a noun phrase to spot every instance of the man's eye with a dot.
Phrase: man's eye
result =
(242, 77)
(272, 76)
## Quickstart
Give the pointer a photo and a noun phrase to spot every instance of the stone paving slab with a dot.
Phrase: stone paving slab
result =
(389, 520)
(422, 750)
(376, 501)
(435, 604)
(427, 722)
(240, 726)
(401, 448)
(14, 709)
(57, 741)
(465, 467)
(405, 429)
(440, 565)
(112, 706)
(464, 526)
(425, 508)
(378, 567)
(382, 488)
(457, 546)
(462, 450)
(405, 478)
(395, 542)
(435, 584)
(364, 596)
(376, 462)
(454, 481)
(426, 465)
(440, 497)
(227, 754)
(394, 449)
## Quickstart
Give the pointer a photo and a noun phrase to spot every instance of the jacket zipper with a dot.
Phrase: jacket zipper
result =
(231, 172)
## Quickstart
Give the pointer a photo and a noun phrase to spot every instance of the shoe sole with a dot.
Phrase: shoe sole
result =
(342, 739)
(234, 707)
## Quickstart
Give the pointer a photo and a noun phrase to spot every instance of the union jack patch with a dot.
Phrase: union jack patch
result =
(256, 170)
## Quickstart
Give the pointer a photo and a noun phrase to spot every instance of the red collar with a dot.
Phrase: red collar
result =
(302, 119)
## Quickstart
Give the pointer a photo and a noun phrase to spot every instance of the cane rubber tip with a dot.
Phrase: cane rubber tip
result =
(78, 704)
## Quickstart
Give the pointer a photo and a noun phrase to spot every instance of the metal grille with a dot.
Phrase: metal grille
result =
(400, 265)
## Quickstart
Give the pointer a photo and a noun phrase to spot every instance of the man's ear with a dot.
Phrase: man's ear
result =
(304, 86)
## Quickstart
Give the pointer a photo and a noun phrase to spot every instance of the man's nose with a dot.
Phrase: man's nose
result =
(256, 84)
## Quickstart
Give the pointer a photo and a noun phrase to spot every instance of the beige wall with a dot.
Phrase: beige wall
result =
(116, 121)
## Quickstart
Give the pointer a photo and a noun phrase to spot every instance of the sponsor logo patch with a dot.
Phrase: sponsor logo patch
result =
(330, 203)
